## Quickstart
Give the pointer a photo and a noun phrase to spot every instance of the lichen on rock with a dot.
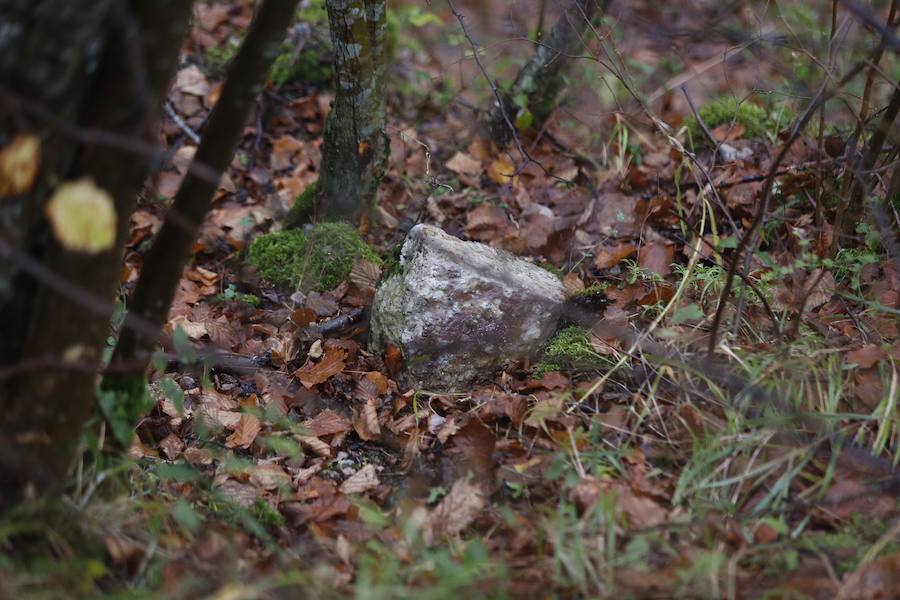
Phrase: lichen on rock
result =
(459, 310)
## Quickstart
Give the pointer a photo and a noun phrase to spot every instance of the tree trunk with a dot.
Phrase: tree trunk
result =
(172, 248)
(355, 149)
(542, 78)
(73, 68)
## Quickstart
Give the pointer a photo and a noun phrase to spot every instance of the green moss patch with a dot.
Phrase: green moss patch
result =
(569, 350)
(311, 65)
(726, 111)
(318, 261)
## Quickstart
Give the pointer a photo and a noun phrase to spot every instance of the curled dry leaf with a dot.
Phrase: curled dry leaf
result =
(171, 446)
(393, 359)
(331, 364)
(245, 431)
(365, 275)
(319, 447)
(362, 481)
(366, 423)
(83, 217)
(269, 476)
(456, 511)
(19, 163)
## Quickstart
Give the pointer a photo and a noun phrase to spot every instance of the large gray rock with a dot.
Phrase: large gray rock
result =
(460, 310)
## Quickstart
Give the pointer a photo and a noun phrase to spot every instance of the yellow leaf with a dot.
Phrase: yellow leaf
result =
(83, 217)
(501, 171)
(19, 162)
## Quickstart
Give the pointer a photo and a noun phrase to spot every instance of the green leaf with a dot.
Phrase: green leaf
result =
(185, 515)
(283, 446)
(524, 119)
(691, 312)
(183, 347)
(730, 242)
(173, 392)
(176, 472)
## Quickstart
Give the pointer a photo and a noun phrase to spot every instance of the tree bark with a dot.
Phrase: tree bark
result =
(355, 149)
(542, 78)
(172, 248)
(89, 65)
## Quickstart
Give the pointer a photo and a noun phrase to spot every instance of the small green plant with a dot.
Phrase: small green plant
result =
(570, 349)
(319, 260)
(729, 111)
(596, 289)
(232, 295)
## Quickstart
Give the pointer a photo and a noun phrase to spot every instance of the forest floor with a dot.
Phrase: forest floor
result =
(640, 467)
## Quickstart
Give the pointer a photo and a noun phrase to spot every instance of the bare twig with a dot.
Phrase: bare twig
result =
(749, 239)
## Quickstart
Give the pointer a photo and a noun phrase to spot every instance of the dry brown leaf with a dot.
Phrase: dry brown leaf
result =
(198, 456)
(456, 511)
(245, 431)
(239, 493)
(463, 164)
(607, 257)
(316, 445)
(362, 481)
(572, 283)
(381, 382)
(656, 258)
(818, 289)
(393, 359)
(331, 364)
(269, 476)
(171, 446)
(366, 423)
(877, 580)
(191, 80)
(328, 422)
(365, 275)
(865, 357)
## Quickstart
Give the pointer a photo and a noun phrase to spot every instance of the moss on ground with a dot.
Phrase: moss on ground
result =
(552, 268)
(318, 261)
(310, 65)
(570, 349)
(592, 291)
(725, 111)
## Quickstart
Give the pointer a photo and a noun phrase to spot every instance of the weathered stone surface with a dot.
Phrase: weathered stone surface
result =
(459, 310)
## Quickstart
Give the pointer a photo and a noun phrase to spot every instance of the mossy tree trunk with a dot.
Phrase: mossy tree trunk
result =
(542, 78)
(355, 148)
(69, 69)
(172, 248)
